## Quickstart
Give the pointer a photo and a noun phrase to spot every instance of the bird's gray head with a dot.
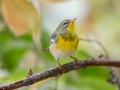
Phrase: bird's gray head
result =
(62, 28)
(66, 26)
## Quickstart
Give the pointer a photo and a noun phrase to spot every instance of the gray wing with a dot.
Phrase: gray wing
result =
(53, 38)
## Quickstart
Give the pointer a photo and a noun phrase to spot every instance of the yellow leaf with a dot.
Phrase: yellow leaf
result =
(21, 16)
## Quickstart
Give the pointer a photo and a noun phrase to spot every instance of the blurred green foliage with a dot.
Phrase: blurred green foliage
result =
(19, 54)
(12, 50)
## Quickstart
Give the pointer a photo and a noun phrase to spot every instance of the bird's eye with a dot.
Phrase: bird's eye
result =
(65, 23)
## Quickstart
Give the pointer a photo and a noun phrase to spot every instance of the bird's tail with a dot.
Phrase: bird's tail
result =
(45, 50)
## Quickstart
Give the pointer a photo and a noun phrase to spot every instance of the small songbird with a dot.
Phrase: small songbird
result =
(64, 42)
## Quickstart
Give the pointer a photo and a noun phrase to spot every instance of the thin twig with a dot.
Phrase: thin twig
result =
(55, 72)
(99, 43)
(56, 83)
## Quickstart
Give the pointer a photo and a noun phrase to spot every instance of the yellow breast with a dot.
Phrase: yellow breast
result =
(67, 43)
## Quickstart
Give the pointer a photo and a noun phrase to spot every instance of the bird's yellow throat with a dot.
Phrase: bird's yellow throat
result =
(71, 26)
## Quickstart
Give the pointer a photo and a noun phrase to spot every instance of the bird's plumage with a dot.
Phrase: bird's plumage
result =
(64, 40)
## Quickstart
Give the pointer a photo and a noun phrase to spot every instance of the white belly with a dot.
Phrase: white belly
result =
(57, 53)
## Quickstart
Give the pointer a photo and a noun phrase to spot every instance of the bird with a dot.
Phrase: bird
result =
(64, 42)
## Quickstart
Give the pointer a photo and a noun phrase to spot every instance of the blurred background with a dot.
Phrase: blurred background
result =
(26, 27)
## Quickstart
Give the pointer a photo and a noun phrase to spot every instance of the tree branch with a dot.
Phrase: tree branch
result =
(55, 72)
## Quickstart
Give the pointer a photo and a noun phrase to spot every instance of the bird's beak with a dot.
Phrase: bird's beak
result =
(71, 25)
(73, 20)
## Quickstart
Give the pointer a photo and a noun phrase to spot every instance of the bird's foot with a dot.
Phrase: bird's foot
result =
(61, 68)
(76, 61)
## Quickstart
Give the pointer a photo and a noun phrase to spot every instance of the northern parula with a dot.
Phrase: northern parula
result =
(64, 41)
